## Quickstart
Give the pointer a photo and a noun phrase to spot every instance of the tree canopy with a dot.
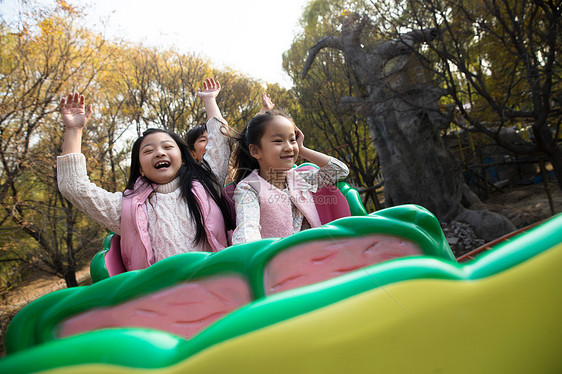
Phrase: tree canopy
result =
(410, 65)
(343, 134)
(499, 62)
(43, 57)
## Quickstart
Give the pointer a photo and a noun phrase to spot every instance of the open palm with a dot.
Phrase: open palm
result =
(211, 88)
(74, 116)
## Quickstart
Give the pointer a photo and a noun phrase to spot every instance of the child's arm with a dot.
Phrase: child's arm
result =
(208, 95)
(313, 156)
(247, 209)
(74, 118)
(73, 182)
(217, 153)
(266, 103)
(331, 169)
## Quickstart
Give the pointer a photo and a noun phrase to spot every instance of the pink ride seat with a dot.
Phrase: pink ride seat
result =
(330, 202)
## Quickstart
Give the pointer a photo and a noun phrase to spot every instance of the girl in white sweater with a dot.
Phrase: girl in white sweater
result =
(182, 210)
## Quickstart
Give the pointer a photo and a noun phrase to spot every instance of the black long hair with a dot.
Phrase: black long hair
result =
(244, 163)
(188, 172)
(193, 134)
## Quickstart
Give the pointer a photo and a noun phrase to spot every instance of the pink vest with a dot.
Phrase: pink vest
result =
(134, 241)
(276, 218)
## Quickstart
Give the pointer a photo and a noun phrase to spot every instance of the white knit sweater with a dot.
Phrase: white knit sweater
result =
(170, 226)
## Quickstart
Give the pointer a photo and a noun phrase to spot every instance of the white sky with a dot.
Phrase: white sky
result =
(249, 36)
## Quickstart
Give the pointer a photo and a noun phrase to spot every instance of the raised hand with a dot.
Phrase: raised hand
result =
(211, 89)
(299, 136)
(266, 103)
(73, 114)
(311, 155)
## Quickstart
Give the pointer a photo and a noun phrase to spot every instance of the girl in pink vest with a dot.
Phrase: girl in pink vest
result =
(172, 204)
(271, 199)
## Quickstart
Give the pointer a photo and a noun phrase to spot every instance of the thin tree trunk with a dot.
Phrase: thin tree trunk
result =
(556, 161)
(546, 142)
(70, 278)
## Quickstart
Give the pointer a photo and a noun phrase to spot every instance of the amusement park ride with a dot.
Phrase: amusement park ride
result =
(367, 293)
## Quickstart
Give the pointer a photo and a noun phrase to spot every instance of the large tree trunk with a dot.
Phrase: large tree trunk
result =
(419, 169)
(416, 166)
(405, 124)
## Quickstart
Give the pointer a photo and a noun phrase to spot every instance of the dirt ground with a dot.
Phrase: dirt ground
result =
(523, 205)
(31, 287)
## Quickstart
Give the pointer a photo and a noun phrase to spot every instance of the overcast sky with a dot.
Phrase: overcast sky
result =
(247, 35)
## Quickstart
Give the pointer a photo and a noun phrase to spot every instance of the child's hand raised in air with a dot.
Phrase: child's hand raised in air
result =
(211, 89)
(266, 103)
(208, 95)
(73, 114)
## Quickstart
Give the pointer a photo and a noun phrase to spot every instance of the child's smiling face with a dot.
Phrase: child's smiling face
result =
(200, 147)
(160, 158)
(278, 148)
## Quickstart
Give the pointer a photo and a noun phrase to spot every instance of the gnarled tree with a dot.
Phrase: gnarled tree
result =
(400, 102)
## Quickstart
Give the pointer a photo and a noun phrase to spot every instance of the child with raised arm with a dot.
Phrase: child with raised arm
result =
(198, 136)
(271, 198)
(171, 204)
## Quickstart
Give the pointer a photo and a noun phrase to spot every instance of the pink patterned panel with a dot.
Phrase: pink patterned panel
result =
(321, 260)
(184, 309)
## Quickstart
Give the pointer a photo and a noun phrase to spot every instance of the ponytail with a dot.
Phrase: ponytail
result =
(244, 163)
